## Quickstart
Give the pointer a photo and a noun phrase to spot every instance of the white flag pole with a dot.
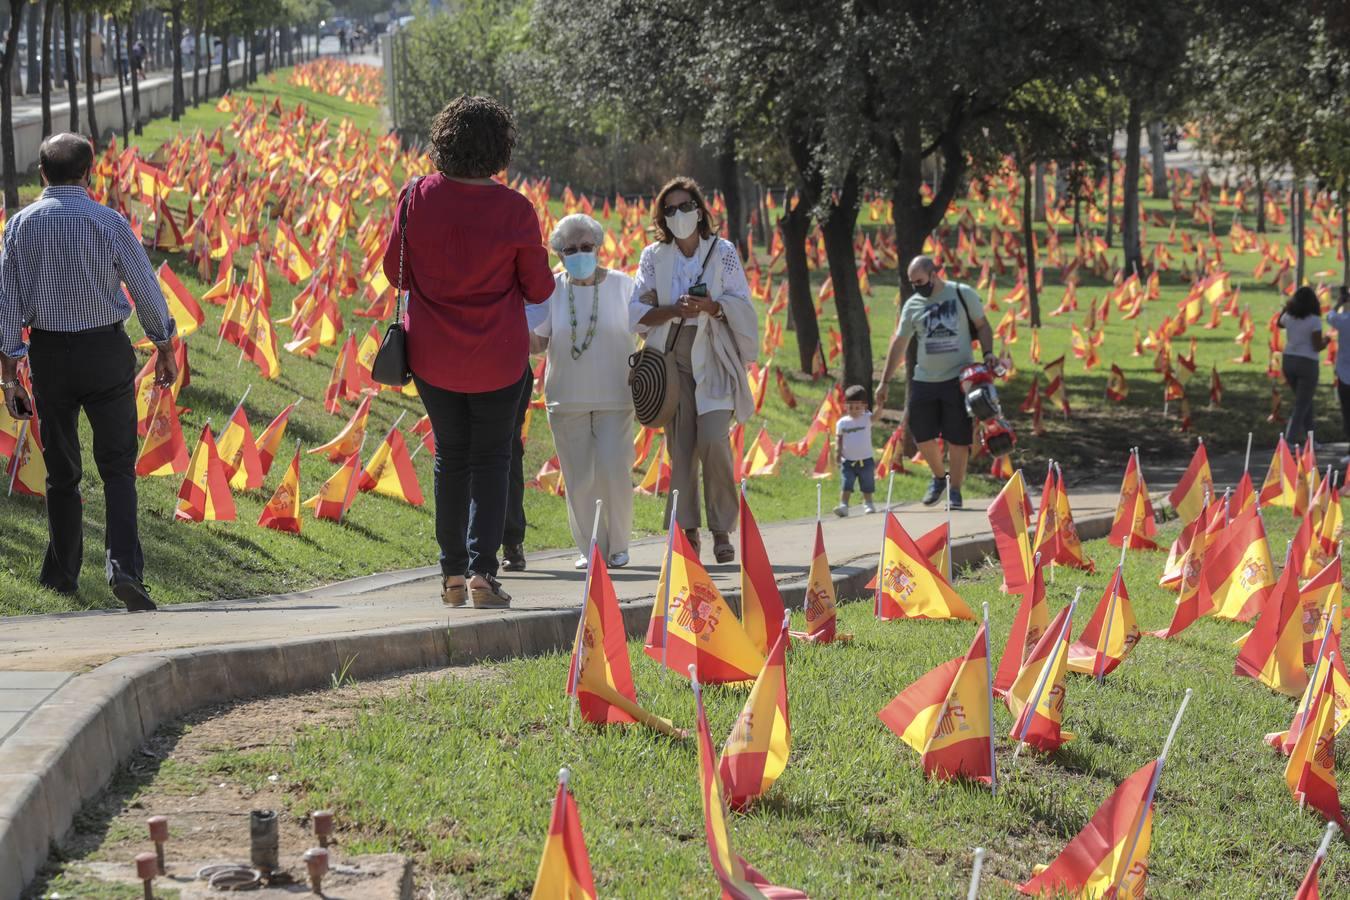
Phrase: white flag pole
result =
(1247, 460)
(989, 675)
(974, 890)
(580, 652)
(665, 586)
(1035, 699)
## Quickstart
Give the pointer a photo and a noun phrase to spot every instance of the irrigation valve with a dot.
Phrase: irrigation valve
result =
(146, 870)
(316, 860)
(159, 833)
(323, 826)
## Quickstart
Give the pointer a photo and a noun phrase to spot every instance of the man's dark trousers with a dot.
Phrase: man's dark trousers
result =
(90, 370)
(514, 534)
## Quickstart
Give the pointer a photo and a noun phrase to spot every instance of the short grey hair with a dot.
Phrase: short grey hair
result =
(923, 264)
(577, 226)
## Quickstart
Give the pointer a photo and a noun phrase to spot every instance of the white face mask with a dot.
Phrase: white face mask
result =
(683, 224)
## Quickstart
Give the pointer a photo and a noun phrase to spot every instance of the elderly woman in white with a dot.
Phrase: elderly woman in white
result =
(590, 410)
(692, 299)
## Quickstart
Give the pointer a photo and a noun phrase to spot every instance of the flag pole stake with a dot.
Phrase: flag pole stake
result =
(1323, 847)
(1105, 640)
(665, 588)
(881, 555)
(974, 890)
(818, 490)
(564, 776)
(989, 675)
(581, 623)
(1247, 460)
(18, 455)
(1045, 670)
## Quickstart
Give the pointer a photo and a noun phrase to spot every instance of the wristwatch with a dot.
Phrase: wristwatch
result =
(8, 385)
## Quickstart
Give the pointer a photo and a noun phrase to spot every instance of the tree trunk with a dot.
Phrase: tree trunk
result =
(728, 176)
(135, 77)
(1159, 151)
(840, 222)
(1029, 244)
(46, 76)
(34, 74)
(197, 53)
(176, 48)
(121, 79)
(10, 164)
(1260, 202)
(1038, 198)
(1345, 237)
(72, 89)
(210, 61)
(1110, 181)
(795, 225)
(1299, 206)
(224, 64)
(1129, 213)
(94, 133)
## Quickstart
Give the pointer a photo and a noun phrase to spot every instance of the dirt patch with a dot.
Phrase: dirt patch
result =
(194, 772)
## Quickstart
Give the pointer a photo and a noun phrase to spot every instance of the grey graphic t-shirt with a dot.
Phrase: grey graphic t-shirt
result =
(940, 326)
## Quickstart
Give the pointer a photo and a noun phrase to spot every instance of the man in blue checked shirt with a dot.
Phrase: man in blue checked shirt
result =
(65, 260)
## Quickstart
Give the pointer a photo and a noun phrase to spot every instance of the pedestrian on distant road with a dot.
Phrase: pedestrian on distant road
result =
(590, 409)
(98, 58)
(138, 58)
(65, 261)
(943, 318)
(1303, 346)
(474, 258)
(342, 40)
(691, 285)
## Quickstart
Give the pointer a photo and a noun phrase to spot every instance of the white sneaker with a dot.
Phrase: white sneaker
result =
(868, 509)
(618, 560)
(841, 511)
(581, 563)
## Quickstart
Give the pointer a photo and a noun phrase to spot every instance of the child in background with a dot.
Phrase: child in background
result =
(853, 448)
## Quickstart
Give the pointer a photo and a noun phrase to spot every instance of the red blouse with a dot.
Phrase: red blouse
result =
(474, 259)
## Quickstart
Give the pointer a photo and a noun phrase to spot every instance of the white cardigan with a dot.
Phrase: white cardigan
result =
(721, 350)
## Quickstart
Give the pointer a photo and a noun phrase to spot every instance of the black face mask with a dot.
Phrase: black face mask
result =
(924, 290)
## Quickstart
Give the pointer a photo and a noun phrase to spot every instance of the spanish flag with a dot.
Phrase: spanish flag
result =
(1281, 479)
(934, 546)
(909, 586)
(1133, 524)
(1196, 484)
(600, 676)
(335, 495)
(205, 494)
(565, 868)
(700, 629)
(761, 603)
(738, 879)
(1008, 515)
(1033, 617)
(1109, 857)
(1235, 585)
(164, 451)
(1117, 388)
(1311, 770)
(947, 716)
(1036, 698)
(1110, 635)
(1272, 652)
(390, 471)
(1329, 664)
(187, 313)
(820, 599)
(1068, 546)
(239, 452)
(1244, 495)
(270, 440)
(1320, 599)
(344, 372)
(348, 440)
(1189, 573)
(259, 343)
(756, 751)
(27, 469)
(1305, 482)
(282, 512)
(293, 261)
(657, 479)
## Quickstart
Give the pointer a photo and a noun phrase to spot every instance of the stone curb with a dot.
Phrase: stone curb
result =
(65, 753)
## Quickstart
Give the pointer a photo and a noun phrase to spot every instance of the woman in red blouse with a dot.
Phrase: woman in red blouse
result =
(475, 257)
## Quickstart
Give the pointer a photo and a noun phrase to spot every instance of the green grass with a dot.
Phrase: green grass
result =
(460, 772)
(188, 562)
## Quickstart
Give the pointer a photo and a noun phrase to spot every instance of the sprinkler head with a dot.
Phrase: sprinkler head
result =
(147, 867)
(323, 825)
(316, 861)
(159, 833)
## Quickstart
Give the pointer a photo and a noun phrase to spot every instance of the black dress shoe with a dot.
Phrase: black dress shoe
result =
(513, 558)
(133, 595)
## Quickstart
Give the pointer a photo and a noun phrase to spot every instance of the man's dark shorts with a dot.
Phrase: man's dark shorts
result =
(938, 409)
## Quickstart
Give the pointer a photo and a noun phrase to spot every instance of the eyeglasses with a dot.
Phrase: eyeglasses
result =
(686, 206)
(579, 248)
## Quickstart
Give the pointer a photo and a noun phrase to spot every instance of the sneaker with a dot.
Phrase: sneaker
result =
(935, 489)
(841, 511)
(581, 563)
(955, 499)
(618, 560)
(868, 508)
(133, 595)
(490, 597)
(453, 594)
(513, 558)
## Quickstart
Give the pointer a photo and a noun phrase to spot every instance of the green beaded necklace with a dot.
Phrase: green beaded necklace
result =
(572, 314)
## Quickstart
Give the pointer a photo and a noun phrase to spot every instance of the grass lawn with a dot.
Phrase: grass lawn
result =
(460, 772)
(230, 560)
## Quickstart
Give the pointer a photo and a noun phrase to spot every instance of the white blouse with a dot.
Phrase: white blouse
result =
(597, 381)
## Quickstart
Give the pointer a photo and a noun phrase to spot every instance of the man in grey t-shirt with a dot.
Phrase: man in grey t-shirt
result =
(943, 317)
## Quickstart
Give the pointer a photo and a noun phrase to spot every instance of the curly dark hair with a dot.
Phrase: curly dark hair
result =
(1304, 303)
(680, 183)
(472, 137)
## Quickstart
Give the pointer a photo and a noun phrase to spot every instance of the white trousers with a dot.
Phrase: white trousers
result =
(595, 451)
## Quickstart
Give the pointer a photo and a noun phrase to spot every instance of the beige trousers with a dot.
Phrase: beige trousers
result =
(700, 442)
(595, 452)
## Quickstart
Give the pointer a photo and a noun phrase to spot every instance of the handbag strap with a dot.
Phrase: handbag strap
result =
(703, 270)
(400, 291)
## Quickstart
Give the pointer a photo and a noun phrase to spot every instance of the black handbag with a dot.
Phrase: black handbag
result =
(391, 362)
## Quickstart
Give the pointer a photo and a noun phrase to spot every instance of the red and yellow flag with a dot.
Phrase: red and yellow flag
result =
(187, 313)
(600, 676)
(1280, 485)
(1036, 698)
(293, 260)
(1305, 483)
(1033, 617)
(335, 495)
(1133, 523)
(909, 586)
(27, 469)
(1117, 388)
(947, 716)
(761, 603)
(1311, 770)
(1110, 635)
(738, 879)
(1189, 572)
(565, 867)
(1195, 486)
(239, 452)
(205, 494)
(756, 751)
(657, 479)
(270, 440)
(700, 629)
(1109, 857)
(1320, 599)
(164, 452)
(1009, 517)
(821, 625)
(1238, 573)
(282, 511)
(390, 471)
(348, 440)
(1329, 664)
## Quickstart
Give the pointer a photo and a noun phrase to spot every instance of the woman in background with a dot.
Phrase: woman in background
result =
(1302, 323)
